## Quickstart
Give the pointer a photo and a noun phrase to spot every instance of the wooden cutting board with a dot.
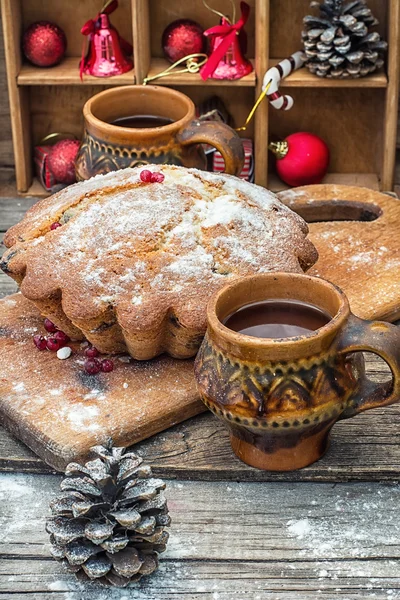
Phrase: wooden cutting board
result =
(357, 234)
(59, 411)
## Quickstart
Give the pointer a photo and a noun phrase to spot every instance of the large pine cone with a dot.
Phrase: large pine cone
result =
(109, 522)
(339, 43)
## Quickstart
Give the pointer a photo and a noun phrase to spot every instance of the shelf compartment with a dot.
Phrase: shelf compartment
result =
(158, 65)
(67, 73)
(303, 78)
(368, 180)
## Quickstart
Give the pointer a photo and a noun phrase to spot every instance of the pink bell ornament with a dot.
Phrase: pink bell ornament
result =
(107, 53)
(226, 60)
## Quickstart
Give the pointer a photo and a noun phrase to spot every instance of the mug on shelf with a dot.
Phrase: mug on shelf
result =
(107, 146)
(281, 397)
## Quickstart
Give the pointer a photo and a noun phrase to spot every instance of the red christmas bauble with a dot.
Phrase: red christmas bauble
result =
(302, 159)
(44, 44)
(182, 37)
(62, 160)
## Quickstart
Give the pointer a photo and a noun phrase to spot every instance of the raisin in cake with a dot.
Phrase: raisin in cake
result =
(133, 264)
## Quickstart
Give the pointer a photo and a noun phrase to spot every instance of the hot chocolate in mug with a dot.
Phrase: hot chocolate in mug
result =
(281, 396)
(136, 124)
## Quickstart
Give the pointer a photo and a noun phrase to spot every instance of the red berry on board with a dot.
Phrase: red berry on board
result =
(40, 342)
(92, 366)
(61, 337)
(62, 160)
(91, 352)
(55, 226)
(49, 326)
(157, 177)
(53, 344)
(107, 365)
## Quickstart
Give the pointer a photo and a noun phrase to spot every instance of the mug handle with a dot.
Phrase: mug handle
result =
(221, 136)
(380, 338)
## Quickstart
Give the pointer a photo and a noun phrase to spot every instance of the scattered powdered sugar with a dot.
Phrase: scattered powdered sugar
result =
(126, 239)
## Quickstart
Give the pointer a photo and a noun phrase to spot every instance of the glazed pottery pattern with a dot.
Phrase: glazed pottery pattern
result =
(106, 147)
(280, 398)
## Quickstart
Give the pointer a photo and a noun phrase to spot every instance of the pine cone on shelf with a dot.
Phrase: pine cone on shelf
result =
(339, 43)
(110, 521)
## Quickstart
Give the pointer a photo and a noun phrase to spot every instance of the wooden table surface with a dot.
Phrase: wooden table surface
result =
(329, 531)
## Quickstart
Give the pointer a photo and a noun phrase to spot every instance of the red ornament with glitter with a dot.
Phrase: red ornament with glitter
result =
(44, 44)
(62, 160)
(226, 60)
(302, 159)
(108, 52)
(181, 38)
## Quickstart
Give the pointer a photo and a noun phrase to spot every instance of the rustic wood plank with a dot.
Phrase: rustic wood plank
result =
(261, 541)
(13, 209)
(364, 448)
(7, 285)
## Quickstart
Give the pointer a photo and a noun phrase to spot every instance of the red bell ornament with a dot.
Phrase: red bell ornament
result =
(302, 159)
(226, 60)
(107, 54)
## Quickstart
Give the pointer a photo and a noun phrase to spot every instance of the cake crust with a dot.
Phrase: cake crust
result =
(134, 263)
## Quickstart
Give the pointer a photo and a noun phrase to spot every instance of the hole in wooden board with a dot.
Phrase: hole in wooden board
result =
(322, 211)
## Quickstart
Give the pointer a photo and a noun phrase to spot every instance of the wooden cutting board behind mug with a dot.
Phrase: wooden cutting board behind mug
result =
(357, 234)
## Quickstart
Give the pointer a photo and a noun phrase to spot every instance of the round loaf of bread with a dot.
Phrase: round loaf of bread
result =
(133, 264)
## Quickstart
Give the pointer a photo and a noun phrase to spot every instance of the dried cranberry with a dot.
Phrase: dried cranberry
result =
(107, 365)
(53, 344)
(92, 366)
(49, 326)
(40, 342)
(91, 352)
(61, 337)
(157, 177)
(55, 226)
(146, 176)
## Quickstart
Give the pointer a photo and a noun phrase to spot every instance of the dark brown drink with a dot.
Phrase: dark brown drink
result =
(142, 121)
(277, 319)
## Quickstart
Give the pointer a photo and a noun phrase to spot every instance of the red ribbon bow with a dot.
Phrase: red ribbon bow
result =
(227, 31)
(92, 25)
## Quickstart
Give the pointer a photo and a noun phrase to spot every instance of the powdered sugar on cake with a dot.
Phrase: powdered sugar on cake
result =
(138, 246)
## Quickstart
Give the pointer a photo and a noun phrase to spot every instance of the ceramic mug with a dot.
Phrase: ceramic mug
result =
(281, 397)
(106, 147)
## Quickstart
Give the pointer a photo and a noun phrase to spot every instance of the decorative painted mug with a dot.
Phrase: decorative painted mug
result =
(108, 147)
(281, 397)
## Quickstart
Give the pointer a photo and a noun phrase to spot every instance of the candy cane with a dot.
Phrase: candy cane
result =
(278, 72)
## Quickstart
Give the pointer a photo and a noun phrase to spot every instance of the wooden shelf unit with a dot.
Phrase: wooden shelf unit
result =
(357, 117)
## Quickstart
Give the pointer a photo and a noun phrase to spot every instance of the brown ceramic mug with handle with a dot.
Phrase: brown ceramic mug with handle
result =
(281, 397)
(107, 147)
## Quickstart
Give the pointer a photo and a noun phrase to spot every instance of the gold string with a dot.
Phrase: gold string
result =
(192, 66)
(107, 3)
(51, 136)
(256, 105)
(216, 12)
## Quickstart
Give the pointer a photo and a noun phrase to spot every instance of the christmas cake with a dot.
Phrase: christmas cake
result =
(129, 259)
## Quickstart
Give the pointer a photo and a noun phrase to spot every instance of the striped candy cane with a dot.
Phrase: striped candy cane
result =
(278, 72)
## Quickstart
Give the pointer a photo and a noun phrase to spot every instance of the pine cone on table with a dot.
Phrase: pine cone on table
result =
(339, 43)
(110, 521)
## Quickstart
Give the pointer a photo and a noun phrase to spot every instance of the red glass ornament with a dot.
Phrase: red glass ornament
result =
(226, 60)
(61, 160)
(302, 159)
(44, 44)
(182, 37)
(107, 54)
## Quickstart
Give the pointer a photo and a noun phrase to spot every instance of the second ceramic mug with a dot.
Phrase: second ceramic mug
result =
(106, 147)
(281, 397)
